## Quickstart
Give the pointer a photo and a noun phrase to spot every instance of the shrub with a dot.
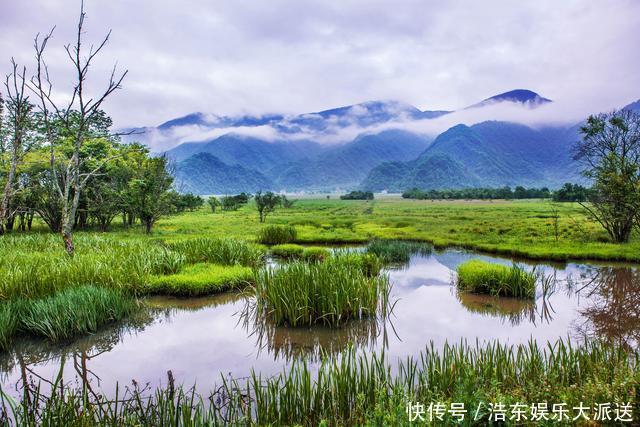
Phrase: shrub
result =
(201, 279)
(330, 293)
(397, 251)
(487, 278)
(277, 235)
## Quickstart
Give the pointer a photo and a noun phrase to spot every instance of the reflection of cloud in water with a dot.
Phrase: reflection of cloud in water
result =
(423, 271)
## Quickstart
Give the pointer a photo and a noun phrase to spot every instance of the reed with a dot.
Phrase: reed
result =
(329, 293)
(397, 251)
(219, 251)
(494, 279)
(363, 389)
(201, 279)
(287, 250)
(277, 235)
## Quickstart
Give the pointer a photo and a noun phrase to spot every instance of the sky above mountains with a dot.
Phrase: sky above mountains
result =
(290, 57)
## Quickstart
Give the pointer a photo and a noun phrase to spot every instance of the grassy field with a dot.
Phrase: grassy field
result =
(521, 228)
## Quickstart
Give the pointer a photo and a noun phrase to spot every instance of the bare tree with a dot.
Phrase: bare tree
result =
(74, 118)
(18, 110)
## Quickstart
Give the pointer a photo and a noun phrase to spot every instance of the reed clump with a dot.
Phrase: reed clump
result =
(398, 251)
(277, 235)
(495, 279)
(293, 251)
(219, 251)
(330, 293)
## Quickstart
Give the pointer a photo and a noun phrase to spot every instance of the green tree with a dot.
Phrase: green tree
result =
(610, 154)
(150, 191)
(266, 203)
(214, 203)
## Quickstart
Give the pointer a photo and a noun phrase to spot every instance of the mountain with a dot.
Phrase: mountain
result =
(204, 173)
(488, 154)
(256, 153)
(348, 165)
(525, 97)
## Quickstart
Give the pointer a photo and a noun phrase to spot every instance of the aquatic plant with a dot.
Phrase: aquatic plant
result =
(200, 279)
(495, 279)
(277, 234)
(287, 250)
(218, 251)
(315, 254)
(330, 293)
(397, 251)
(362, 389)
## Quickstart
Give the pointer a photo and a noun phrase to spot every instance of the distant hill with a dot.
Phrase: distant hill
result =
(204, 173)
(518, 96)
(486, 154)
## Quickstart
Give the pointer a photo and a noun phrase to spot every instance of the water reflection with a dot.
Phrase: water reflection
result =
(613, 308)
(201, 339)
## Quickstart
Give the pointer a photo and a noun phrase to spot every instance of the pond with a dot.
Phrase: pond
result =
(199, 340)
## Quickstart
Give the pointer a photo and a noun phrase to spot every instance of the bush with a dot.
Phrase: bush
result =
(330, 293)
(315, 254)
(487, 278)
(397, 251)
(201, 279)
(357, 195)
(277, 235)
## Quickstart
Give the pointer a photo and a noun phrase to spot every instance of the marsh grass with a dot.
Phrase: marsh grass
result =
(72, 312)
(495, 279)
(293, 251)
(397, 251)
(362, 389)
(277, 235)
(218, 251)
(329, 293)
(201, 279)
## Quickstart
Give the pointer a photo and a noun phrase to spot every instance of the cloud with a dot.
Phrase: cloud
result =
(287, 56)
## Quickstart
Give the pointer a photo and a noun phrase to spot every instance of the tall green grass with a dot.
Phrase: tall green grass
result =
(329, 293)
(219, 251)
(72, 312)
(356, 389)
(277, 234)
(494, 279)
(397, 251)
(293, 251)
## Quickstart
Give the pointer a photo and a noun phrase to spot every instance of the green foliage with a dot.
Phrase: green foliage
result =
(214, 203)
(201, 279)
(266, 203)
(218, 251)
(233, 203)
(315, 254)
(357, 195)
(331, 292)
(149, 192)
(71, 312)
(478, 193)
(571, 193)
(488, 278)
(397, 251)
(365, 389)
(277, 235)
(187, 202)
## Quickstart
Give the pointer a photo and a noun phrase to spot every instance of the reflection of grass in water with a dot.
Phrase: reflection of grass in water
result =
(314, 342)
(513, 310)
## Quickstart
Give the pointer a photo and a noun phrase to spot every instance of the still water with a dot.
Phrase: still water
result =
(201, 339)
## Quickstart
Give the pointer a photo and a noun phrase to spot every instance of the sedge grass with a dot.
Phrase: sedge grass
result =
(397, 251)
(363, 389)
(482, 277)
(329, 293)
(201, 279)
(293, 251)
(277, 234)
(218, 251)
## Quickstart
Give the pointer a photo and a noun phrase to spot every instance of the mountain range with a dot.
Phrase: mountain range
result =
(377, 146)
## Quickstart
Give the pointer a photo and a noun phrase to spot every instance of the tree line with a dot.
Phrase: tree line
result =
(567, 193)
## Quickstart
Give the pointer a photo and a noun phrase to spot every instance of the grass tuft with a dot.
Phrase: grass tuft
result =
(277, 235)
(494, 279)
(397, 251)
(329, 293)
(219, 251)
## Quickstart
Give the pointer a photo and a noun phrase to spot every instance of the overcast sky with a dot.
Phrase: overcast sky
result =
(294, 56)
